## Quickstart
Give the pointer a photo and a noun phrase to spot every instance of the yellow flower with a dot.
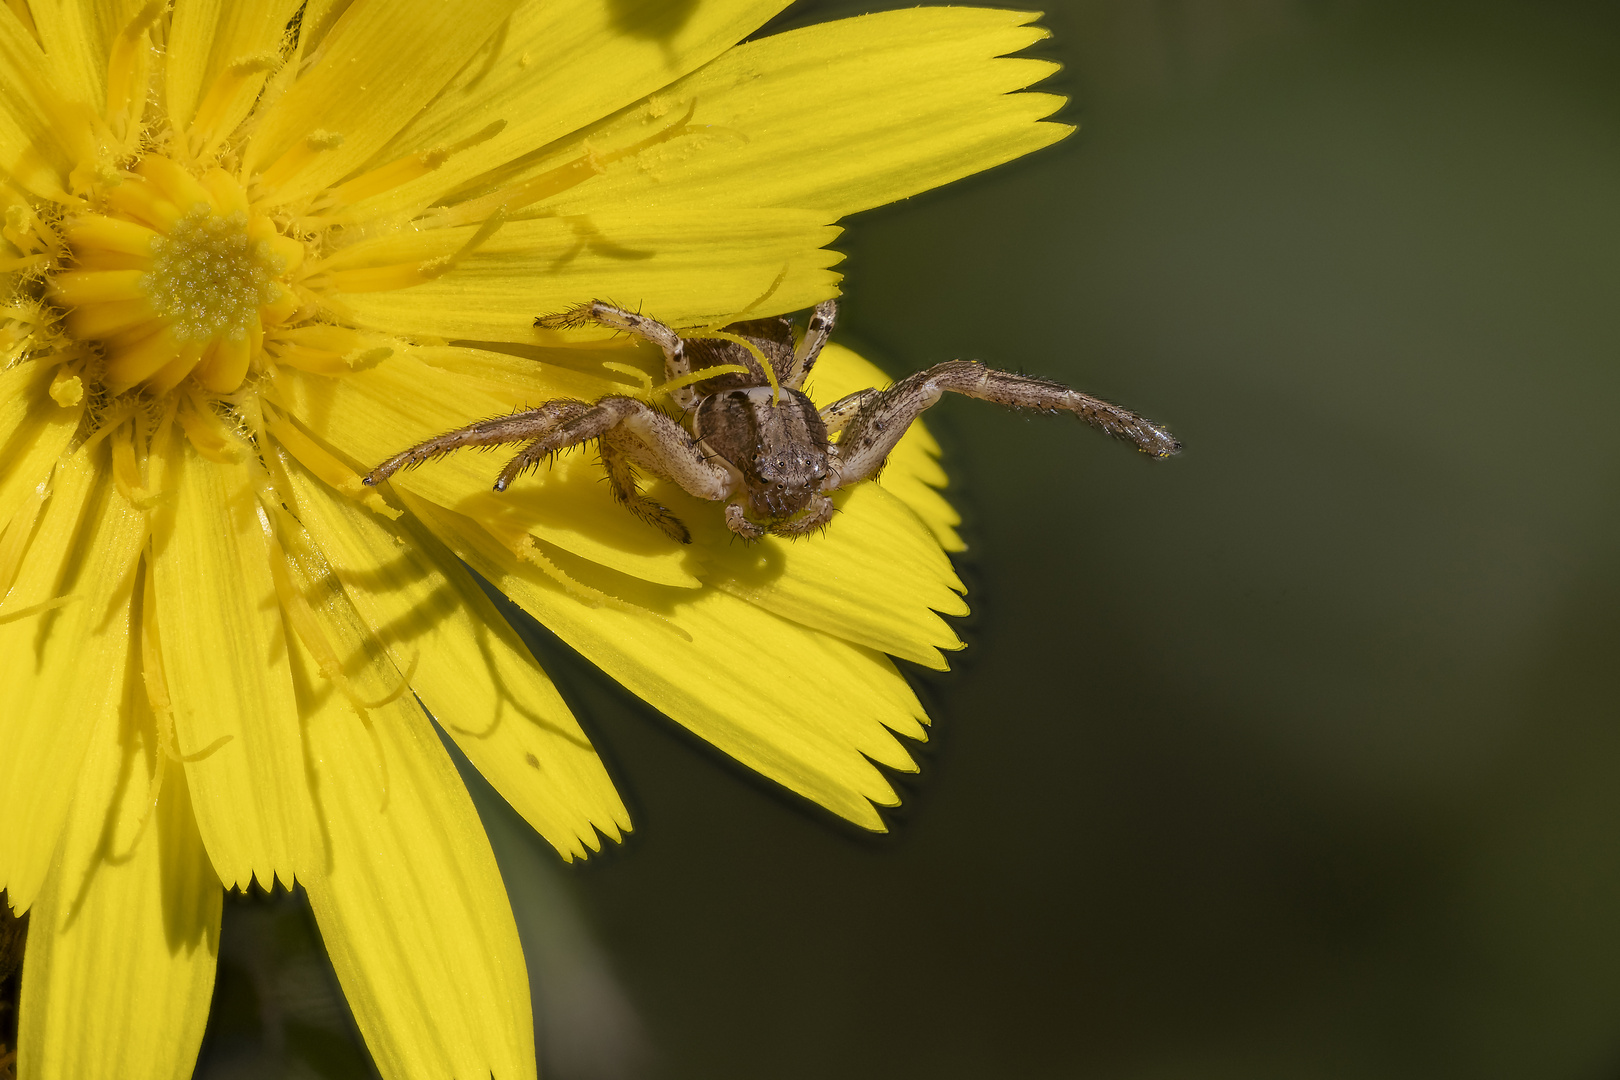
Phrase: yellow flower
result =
(254, 247)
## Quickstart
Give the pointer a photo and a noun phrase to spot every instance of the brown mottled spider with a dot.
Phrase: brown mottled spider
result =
(752, 439)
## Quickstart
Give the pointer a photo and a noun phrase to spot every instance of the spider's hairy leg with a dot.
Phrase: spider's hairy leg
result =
(666, 447)
(595, 422)
(517, 427)
(842, 411)
(602, 313)
(605, 314)
(662, 446)
(882, 418)
(569, 318)
(816, 333)
(618, 460)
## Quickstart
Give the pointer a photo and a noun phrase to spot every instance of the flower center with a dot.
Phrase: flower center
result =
(208, 279)
(176, 277)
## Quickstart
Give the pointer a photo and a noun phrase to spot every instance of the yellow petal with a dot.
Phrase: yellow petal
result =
(373, 414)
(32, 109)
(34, 430)
(840, 116)
(63, 668)
(802, 707)
(77, 35)
(378, 66)
(686, 267)
(74, 287)
(225, 659)
(871, 578)
(100, 50)
(521, 377)
(97, 231)
(913, 473)
(411, 905)
(123, 942)
(219, 54)
(468, 667)
(557, 67)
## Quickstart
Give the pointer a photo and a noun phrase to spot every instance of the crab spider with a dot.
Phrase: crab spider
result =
(751, 438)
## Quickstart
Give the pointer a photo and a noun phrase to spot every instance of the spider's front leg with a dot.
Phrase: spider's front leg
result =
(836, 417)
(632, 432)
(602, 313)
(518, 427)
(882, 417)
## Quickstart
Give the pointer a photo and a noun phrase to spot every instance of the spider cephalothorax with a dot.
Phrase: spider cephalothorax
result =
(752, 439)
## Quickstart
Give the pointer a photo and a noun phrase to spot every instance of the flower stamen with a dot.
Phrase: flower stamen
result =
(753, 350)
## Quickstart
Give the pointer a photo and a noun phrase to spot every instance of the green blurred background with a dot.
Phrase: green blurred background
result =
(1296, 756)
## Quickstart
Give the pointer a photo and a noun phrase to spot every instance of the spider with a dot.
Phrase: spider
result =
(750, 438)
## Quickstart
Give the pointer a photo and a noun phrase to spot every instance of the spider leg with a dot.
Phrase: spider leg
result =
(676, 363)
(619, 460)
(666, 447)
(842, 411)
(518, 427)
(882, 418)
(815, 338)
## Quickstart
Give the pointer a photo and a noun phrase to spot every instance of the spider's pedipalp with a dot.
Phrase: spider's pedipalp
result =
(737, 521)
(816, 518)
